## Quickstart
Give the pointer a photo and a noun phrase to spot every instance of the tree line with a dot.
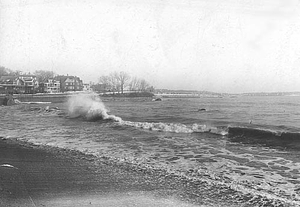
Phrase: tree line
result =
(6, 71)
(41, 75)
(115, 81)
(119, 81)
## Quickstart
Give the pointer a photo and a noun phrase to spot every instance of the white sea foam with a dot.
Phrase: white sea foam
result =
(88, 106)
(176, 127)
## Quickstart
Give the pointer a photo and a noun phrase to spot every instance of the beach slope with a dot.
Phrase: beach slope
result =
(38, 176)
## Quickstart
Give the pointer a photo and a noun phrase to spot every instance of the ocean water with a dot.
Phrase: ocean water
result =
(248, 144)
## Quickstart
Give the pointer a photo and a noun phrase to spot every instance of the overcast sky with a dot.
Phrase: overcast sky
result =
(214, 45)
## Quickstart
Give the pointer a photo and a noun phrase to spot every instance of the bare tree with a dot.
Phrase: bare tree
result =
(151, 89)
(6, 71)
(122, 80)
(134, 84)
(109, 82)
(144, 85)
(104, 79)
(118, 81)
(43, 75)
(3, 71)
(114, 82)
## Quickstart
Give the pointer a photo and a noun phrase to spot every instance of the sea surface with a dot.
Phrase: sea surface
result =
(250, 144)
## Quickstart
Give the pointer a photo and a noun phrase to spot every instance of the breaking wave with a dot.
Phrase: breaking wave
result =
(88, 106)
(177, 127)
(264, 136)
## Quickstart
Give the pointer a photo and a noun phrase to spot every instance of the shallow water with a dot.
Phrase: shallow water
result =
(248, 144)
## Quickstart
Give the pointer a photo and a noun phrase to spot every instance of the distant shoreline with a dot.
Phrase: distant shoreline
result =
(129, 95)
(62, 97)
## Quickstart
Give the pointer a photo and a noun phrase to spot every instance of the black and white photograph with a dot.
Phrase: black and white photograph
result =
(149, 103)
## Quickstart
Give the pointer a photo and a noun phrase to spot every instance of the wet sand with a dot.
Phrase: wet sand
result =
(38, 176)
(32, 175)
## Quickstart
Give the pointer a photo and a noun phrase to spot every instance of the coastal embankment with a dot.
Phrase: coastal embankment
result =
(53, 98)
(62, 97)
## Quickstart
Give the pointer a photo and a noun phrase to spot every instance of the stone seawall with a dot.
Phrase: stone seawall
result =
(53, 98)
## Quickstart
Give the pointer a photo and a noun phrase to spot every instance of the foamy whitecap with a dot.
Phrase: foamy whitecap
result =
(175, 127)
(89, 106)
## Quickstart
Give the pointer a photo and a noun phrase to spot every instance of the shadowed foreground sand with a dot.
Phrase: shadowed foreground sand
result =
(33, 176)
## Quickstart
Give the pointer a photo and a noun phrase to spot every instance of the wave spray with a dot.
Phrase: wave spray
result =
(90, 107)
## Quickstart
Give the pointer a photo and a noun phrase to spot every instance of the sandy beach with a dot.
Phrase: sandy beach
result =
(37, 176)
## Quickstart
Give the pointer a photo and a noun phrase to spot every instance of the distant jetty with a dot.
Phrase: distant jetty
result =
(135, 94)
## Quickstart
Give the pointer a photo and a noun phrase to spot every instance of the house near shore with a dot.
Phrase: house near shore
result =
(51, 86)
(18, 84)
(87, 87)
(30, 82)
(11, 84)
(69, 83)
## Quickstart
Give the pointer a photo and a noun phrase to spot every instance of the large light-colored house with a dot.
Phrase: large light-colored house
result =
(87, 87)
(52, 86)
(30, 82)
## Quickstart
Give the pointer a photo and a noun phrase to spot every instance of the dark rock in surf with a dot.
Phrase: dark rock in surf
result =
(157, 99)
